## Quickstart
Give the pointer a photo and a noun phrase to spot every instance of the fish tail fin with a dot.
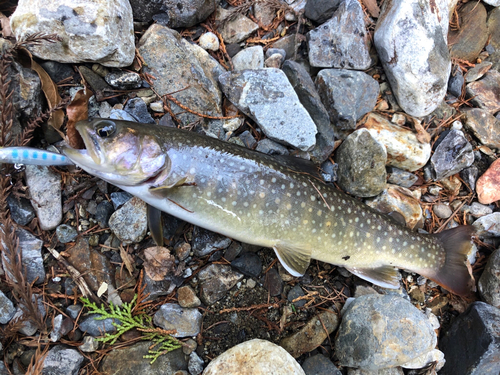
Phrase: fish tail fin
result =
(454, 275)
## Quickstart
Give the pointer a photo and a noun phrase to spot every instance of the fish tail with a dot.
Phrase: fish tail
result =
(454, 274)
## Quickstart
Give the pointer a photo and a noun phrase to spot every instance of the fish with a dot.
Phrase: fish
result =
(261, 200)
(32, 156)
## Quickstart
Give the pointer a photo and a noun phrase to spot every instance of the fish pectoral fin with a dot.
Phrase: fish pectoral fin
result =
(159, 189)
(155, 224)
(294, 259)
(385, 276)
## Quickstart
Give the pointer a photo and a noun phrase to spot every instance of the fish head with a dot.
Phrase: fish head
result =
(120, 152)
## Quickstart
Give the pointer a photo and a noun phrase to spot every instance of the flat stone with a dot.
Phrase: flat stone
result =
(494, 28)
(248, 264)
(347, 95)
(361, 160)
(342, 41)
(249, 58)
(295, 293)
(488, 185)
(66, 233)
(186, 322)
(478, 71)
(442, 210)
(269, 147)
(90, 344)
(235, 29)
(215, 281)
(273, 282)
(7, 309)
(187, 297)
(101, 31)
(404, 150)
(484, 126)
(21, 210)
(472, 344)
(185, 14)
(485, 92)
(488, 225)
(173, 362)
(311, 335)
(195, 364)
(274, 61)
(255, 357)
(45, 191)
(139, 110)
(412, 48)
(205, 242)
(402, 178)
(467, 42)
(129, 223)
(267, 97)
(453, 154)
(477, 210)
(319, 364)
(489, 283)
(395, 332)
(61, 360)
(94, 326)
(320, 10)
(469, 176)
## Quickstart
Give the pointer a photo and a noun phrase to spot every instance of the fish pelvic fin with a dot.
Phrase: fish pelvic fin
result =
(454, 274)
(294, 259)
(155, 224)
(385, 276)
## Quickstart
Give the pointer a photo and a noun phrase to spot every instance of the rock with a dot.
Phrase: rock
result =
(195, 364)
(247, 139)
(477, 210)
(235, 28)
(402, 178)
(124, 80)
(318, 365)
(267, 96)
(205, 241)
(45, 192)
(103, 213)
(274, 61)
(209, 41)
(442, 210)
(404, 150)
(61, 327)
(495, 3)
(478, 71)
(273, 282)
(184, 14)
(186, 322)
(263, 13)
(488, 185)
(310, 99)
(269, 147)
(472, 345)
(361, 160)
(395, 332)
(294, 293)
(139, 109)
(28, 327)
(453, 154)
(169, 363)
(469, 176)
(129, 223)
(7, 309)
(418, 79)
(489, 283)
(485, 92)
(433, 358)
(94, 325)
(400, 200)
(157, 289)
(215, 282)
(186, 297)
(255, 357)
(120, 114)
(320, 10)
(96, 32)
(248, 264)
(312, 334)
(119, 198)
(61, 360)
(90, 344)
(468, 41)
(329, 171)
(66, 233)
(456, 82)
(249, 58)
(166, 55)
(484, 126)
(290, 44)
(488, 225)
(494, 28)
(21, 210)
(73, 311)
(342, 41)
(347, 95)
(57, 71)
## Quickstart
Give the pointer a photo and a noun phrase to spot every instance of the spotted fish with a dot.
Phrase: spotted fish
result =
(260, 200)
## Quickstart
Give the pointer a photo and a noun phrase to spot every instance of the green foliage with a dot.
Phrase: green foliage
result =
(141, 321)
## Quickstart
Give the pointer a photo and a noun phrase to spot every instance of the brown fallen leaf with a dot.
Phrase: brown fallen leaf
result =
(422, 135)
(77, 110)
(127, 259)
(158, 262)
(372, 7)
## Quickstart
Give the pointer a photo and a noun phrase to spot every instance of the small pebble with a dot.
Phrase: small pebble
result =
(66, 233)
(209, 41)
(442, 211)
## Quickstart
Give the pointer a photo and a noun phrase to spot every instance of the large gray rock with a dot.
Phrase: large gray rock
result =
(414, 53)
(234, 27)
(379, 331)
(347, 95)
(61, 360)
(453, 154)
(98, 31)
(484, 126)
(489, 283)
(267, 97)
(342, 41)
(185, 321)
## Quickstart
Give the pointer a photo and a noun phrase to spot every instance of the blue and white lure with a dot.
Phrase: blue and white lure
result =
(32, 156)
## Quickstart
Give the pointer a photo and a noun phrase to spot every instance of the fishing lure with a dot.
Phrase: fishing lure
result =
(32, 156)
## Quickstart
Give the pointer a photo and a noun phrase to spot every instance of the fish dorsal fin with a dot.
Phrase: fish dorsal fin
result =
(396, 218)
(385, 276)
(299, 165)
(293, 258)
(155, 224)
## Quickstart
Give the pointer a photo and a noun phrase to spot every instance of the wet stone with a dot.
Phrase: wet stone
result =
(21, 210)
(318, 365)
(402, 178)
(204, 242)
(489, 283)
(187, 297)
(484, 126)
(294, 293)
(361, 161)
(129, 223)
(249, 58)
(488, 185)
(452, 155)
(342, 41)
(442, 210)
(365, 343)
(7, 309)
(347, 95)
(95, 326)
(320, 10)
(215, 281)
(66, 233)
(472, 345)
(61, 360)
(139, 109)
(186, 322)
(248, 264)
(123, 80)
(273, 282)
(485, 92)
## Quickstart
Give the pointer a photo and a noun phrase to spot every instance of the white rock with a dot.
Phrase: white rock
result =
(257, 357)
(434, 355)
(249, 58)
(495, 3)
(411, 44)
(91, 31)
(209, 41)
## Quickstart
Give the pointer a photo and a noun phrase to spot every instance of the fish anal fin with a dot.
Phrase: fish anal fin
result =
(294, 259)
(385, 276)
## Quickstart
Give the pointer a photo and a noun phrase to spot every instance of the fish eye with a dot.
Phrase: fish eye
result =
(105, 128)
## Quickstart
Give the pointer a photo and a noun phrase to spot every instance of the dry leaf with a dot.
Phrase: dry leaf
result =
(127, 259)
(372, 7)
(158, 262)
(5, 23)
(77, 110)
(422, 135)
(102, 289)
